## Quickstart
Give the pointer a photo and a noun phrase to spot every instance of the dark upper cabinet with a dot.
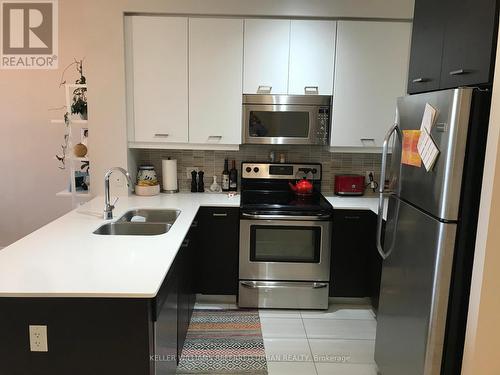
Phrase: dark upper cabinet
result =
(453, 44)
(426, 46)
(217, 250)
(469, 43)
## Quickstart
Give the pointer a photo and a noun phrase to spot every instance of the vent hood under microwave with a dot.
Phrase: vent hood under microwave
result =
(286, 119)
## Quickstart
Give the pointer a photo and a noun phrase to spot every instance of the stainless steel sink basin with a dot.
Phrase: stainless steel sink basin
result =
(133, 229)
(140, 222)
(150, 216)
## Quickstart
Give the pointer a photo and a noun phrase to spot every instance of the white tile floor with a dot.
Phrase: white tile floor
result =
(339, 341)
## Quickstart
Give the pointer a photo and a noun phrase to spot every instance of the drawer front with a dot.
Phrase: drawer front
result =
(276, 295)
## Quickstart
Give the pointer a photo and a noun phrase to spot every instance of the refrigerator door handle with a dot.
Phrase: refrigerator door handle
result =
(385, 149)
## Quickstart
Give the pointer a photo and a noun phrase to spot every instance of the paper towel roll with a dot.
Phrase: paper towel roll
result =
(169, 174)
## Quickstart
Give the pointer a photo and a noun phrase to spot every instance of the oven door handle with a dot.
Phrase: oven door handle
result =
(277, 284)
(286, 217)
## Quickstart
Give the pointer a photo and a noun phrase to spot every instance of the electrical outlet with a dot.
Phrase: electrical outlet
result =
(367, 176)
(38, 339)
(189, 170)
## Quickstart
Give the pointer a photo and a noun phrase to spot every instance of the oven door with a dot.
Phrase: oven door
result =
(285, 250)
(281, 124)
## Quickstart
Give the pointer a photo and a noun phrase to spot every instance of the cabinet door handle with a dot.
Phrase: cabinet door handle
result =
(262, 89)
(219, 137)
(185, 243)
(419, 80)
(366, 140)
(219, 215)
(161, 135)
(311, 90)
(352, 217)
(458, 72)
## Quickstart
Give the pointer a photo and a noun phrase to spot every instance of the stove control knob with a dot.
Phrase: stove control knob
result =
(314, 171)
(248, 169)
(256, 169)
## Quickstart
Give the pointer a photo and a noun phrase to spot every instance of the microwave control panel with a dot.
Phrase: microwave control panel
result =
(323, 124)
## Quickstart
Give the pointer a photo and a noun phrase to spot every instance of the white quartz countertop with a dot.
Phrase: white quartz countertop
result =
(65, 259)
(357, 203)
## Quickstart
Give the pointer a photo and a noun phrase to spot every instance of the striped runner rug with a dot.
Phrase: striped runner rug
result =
(223, 342)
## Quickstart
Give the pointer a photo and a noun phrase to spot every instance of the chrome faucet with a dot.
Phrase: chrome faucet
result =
(108, 207)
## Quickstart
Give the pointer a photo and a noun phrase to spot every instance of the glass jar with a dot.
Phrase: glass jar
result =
(146, 176)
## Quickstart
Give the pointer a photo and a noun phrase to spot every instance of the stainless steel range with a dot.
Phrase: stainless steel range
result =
(285, 238)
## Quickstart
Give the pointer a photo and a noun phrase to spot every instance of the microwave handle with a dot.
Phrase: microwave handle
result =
(311, 90)
(263, 89)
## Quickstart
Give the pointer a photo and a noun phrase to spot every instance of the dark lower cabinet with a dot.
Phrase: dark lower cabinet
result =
(103, 336)
(217, 250)
(99, 336)
(375, 272)
(355, 264)
(186, 287)
(165, 324)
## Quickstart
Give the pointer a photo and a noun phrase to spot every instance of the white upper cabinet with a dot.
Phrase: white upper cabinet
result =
(160, 78)
(215, 80)
(370, 73)
(312, 56)
(267, 50)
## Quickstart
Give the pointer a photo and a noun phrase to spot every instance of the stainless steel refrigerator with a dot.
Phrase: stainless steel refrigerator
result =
(427, 242)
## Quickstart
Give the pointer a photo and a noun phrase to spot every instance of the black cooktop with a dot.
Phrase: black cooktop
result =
(284, 202)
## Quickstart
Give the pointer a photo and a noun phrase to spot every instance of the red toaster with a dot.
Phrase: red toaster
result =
(349, 184)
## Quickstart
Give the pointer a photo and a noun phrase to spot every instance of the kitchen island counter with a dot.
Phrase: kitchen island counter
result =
(65, 259)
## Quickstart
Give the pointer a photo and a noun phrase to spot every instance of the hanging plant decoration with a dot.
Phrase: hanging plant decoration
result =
(79, 101)
(64, 147)
(78, 106)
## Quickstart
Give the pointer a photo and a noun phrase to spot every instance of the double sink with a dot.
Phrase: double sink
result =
(140, 222)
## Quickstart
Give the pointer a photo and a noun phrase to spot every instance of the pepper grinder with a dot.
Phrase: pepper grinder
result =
(194, 186)
(201, 184)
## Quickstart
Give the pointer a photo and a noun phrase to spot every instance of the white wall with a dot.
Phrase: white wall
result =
(482, 344)
(28, 142)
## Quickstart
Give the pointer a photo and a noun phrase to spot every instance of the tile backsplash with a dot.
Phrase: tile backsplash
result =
(212, 162)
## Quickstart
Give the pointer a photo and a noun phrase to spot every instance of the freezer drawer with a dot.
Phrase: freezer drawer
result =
(414, 292)
(280, 294)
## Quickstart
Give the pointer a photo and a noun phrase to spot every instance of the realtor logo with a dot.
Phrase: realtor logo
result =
(29, 37)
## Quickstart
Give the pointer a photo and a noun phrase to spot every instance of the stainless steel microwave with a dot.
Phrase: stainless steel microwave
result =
(286, 119)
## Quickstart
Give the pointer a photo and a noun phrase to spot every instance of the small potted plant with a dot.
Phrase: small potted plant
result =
(79, 102)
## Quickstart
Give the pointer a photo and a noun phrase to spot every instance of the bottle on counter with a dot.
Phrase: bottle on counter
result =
(215, 187)
(194, 183)
(225, 176)
(201, 183)
(233, 177)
